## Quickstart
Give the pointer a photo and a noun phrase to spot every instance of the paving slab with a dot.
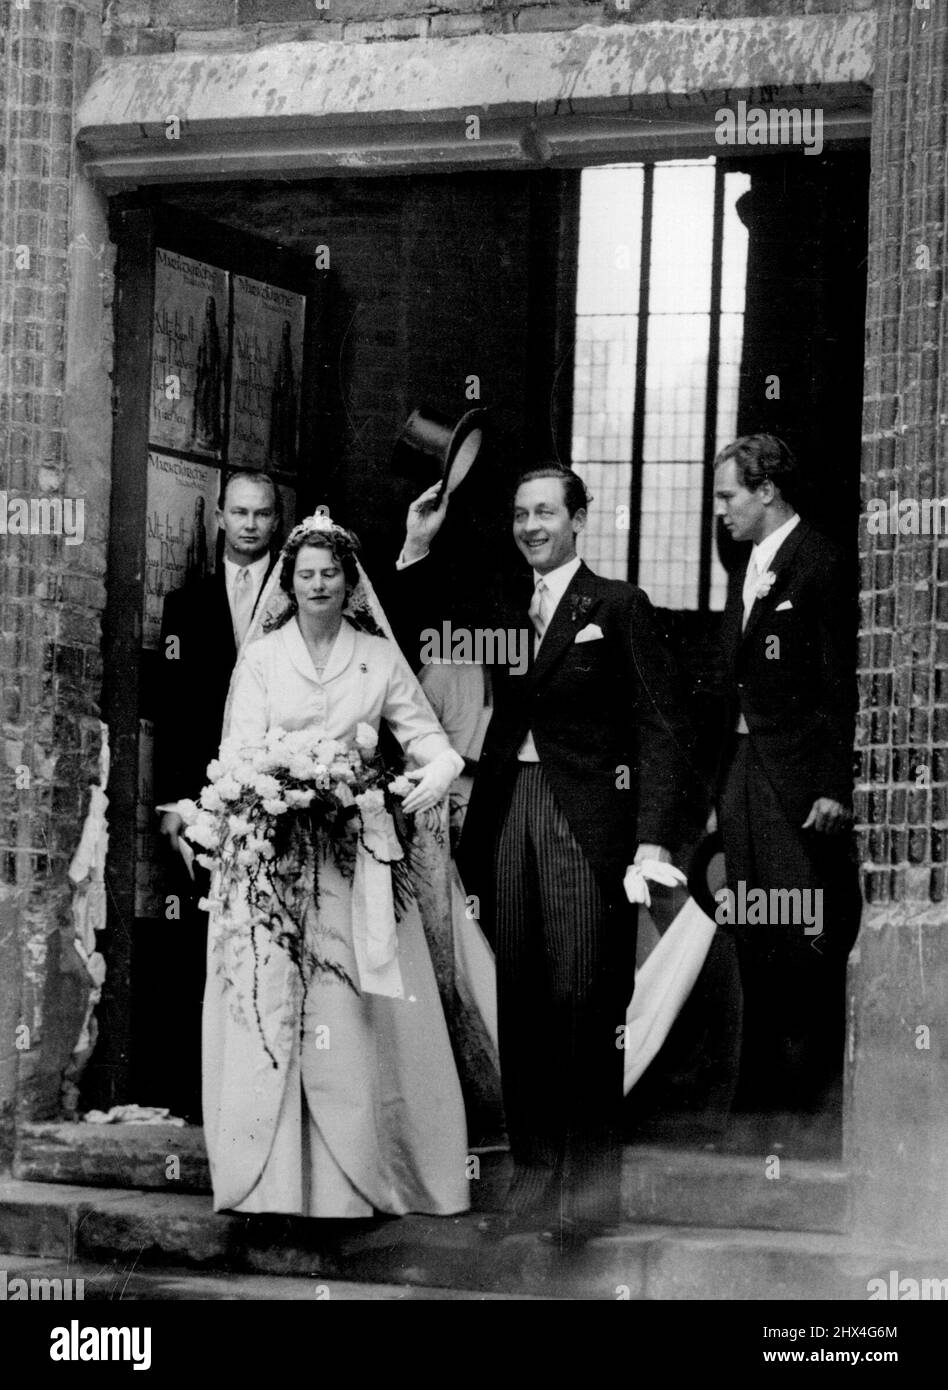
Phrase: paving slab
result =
(116, 1281)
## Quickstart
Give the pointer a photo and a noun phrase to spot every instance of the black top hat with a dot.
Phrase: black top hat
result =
(430, 444)
(706, 877)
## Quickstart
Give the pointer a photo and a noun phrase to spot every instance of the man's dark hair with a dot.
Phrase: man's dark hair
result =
(574, 489)
(250, 475)
(761, 458)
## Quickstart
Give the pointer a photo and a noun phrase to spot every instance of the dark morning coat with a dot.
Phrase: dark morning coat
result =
(607, 719)
(193, 686)
(792, 672)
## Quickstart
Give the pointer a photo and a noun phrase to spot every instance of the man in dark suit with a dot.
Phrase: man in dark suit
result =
(202, 625)
(583, 773)
(785, 792)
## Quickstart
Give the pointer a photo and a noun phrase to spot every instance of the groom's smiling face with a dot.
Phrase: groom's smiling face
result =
(542, 526)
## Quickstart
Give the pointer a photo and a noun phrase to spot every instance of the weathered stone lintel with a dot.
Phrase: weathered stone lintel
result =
(310, 151)
(407, 104)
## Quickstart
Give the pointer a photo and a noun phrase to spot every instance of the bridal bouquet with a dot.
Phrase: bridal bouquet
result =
(269, 815)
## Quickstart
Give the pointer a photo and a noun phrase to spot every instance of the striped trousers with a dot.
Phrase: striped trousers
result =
(565, 972)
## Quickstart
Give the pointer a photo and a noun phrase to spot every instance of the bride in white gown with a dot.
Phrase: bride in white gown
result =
(349, 1103)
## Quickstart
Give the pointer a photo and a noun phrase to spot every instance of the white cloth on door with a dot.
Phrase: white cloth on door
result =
(662, 986)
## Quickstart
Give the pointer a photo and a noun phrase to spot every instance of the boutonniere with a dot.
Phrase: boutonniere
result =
(579, 606)
(764, 584)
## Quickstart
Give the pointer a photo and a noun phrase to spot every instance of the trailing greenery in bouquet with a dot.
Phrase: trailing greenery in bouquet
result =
(296, 799)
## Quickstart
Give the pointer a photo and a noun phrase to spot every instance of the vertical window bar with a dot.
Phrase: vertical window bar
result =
(641, 366)
(711, 395)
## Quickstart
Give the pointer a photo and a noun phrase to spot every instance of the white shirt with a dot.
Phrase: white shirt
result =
(760, 561)
(258, 573)
(557, 582)
(765, 550)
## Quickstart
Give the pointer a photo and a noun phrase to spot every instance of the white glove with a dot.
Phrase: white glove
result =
(434, 780)
(636, 876)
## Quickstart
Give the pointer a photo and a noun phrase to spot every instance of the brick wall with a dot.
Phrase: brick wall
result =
(899, 1073)
(903, 733)
(52, 593)
(161, 26)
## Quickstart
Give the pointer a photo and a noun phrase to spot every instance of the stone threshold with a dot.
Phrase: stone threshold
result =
(117, 1280)
(660, 1185)
(165, 1230)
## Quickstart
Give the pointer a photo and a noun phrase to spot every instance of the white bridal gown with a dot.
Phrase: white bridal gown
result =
(366, 1113)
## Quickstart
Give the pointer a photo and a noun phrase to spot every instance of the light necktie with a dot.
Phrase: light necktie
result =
(540, 606)
(751, 580)
(243, 602)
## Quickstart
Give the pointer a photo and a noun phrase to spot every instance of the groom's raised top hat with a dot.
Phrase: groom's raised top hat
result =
(430, 445)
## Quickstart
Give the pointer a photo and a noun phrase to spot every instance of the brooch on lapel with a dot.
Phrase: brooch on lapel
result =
(579, 606)
(363, 668)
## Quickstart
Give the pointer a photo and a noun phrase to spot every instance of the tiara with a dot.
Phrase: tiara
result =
(321, 523)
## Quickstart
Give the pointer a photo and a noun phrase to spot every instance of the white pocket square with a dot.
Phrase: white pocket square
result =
(592, 632)
(782, 607)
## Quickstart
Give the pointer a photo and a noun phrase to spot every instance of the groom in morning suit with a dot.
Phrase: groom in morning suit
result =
(583, 772)
(785, 789)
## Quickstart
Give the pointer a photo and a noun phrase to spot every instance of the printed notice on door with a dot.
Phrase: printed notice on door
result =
(180, 531)
(265, 386)
(188, 356)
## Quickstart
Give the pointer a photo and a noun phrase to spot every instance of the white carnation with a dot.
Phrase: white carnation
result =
(203, 832)
(228, 788)
(274, 805)
(239, 825)
(366, 737)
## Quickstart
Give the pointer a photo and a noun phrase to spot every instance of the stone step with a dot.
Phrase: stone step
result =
(665, 1186)
(161, 1230)
(119, 1280)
